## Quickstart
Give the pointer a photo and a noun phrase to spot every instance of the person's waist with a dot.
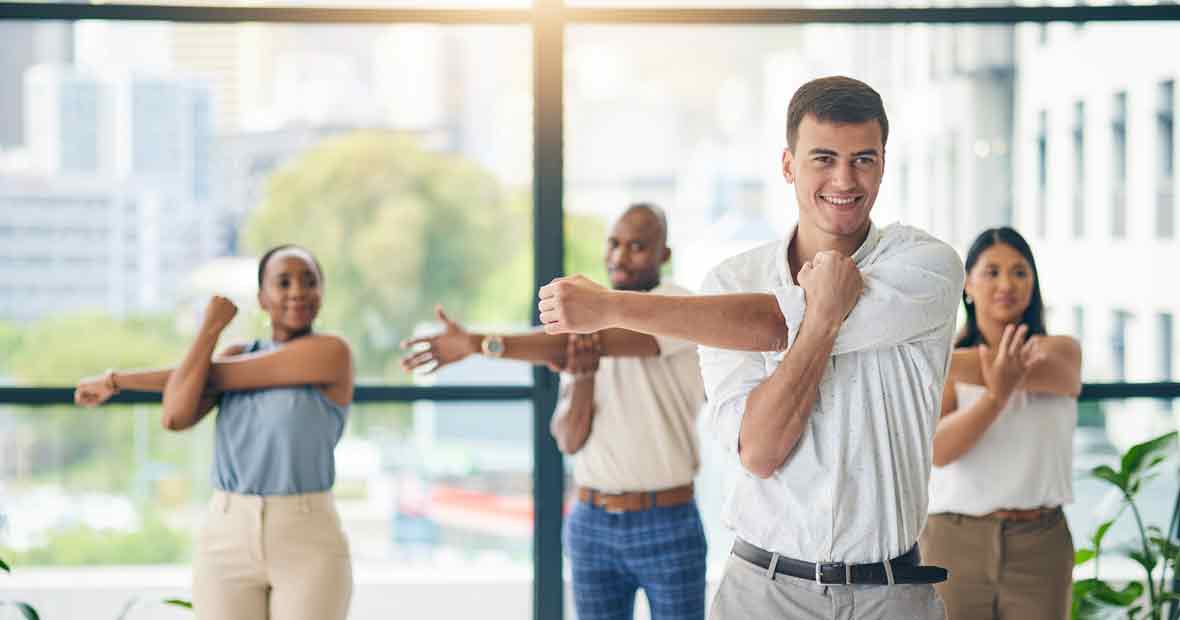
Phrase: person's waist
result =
(634, 501)
(1014, 515)
(906, 568)
(295, 501)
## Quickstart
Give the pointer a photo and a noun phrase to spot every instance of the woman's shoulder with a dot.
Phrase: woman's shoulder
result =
(1062, 343)
(323, 342)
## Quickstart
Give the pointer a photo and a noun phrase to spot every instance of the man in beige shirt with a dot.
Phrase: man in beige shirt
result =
(627, 409)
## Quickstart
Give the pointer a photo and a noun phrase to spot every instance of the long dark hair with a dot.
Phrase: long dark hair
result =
(1034, 315)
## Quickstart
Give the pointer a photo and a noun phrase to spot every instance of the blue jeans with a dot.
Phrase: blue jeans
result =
(661, 550)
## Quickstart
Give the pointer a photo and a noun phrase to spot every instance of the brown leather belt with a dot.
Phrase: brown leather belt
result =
(636, 501)
(1020, 516)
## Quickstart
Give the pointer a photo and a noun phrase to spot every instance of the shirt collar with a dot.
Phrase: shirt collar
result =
(859, 256)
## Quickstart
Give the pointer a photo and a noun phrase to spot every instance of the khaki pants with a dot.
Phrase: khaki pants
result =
(747, 593)
(1002, 570)
(274, 557)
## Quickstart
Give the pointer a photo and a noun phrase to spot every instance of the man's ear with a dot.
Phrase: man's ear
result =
(667, 256)
(788, 162)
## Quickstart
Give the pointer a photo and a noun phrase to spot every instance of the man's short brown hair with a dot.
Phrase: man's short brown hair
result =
(835, 99)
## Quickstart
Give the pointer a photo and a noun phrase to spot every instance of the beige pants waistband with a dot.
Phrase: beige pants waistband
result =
(301, 502)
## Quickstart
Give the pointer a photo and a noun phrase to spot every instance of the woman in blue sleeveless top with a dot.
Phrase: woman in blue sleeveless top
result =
(271, 546)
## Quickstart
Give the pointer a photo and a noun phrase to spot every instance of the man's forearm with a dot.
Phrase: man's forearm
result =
(739, 321)
(542, 348)
(777, 411)
(571, 426)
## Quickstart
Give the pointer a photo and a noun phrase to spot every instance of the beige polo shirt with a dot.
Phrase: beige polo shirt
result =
(643, 436)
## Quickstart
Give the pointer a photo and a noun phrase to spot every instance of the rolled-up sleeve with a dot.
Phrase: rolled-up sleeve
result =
(909, 296)
(729, 377)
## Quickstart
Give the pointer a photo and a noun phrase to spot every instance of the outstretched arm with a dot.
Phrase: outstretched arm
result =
(1054, 365)
(739, 321)
(96, 390)
(455, 343)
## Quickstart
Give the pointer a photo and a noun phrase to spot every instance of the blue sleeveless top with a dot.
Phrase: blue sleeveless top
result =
(276, 441)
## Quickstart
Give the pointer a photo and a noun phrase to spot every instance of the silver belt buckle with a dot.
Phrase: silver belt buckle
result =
(608, 510)
(819, 579)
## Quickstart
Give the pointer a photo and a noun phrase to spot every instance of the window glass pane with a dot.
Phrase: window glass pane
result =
(100, 507)
(338, 4)
(150, 164)
(813, 4)
(984, 141)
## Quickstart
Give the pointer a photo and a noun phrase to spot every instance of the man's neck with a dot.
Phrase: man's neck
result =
(643, 288)
(809, 241)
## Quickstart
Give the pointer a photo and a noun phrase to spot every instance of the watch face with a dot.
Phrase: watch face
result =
(495, 345)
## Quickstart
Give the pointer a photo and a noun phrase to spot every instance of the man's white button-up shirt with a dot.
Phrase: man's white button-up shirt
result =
(854, 488)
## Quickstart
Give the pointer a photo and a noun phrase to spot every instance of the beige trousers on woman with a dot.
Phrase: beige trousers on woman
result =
(1001, 570)
(274, 557)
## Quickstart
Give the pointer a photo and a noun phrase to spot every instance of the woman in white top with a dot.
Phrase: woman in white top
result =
(1003, 447)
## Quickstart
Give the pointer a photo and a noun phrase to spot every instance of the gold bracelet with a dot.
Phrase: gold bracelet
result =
(110, 377)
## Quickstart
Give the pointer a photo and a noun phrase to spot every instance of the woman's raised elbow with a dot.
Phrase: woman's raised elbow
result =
(170, 422)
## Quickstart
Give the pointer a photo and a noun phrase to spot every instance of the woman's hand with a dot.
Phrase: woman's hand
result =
(219, 312)
(96, 390)
(1004, 369)
(454, 344)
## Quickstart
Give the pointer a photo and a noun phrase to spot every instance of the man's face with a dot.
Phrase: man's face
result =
(836, 169)
(635, 250)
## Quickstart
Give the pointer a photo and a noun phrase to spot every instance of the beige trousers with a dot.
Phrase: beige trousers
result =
(1002, 570)
(272, 557)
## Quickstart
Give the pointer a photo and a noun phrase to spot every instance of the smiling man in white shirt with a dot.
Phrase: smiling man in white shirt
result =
(824, 361)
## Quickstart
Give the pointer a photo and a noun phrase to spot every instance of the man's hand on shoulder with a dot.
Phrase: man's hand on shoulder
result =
(574, 305)
(832, 283)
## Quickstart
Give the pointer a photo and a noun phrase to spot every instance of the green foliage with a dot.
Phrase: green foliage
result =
(26, 610)
(399, 229)
(154, 543)
(396, 228)
(1097, 599)
(59, 350)
(137, 602)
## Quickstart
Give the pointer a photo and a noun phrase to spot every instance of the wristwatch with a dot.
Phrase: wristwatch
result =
(492, 345)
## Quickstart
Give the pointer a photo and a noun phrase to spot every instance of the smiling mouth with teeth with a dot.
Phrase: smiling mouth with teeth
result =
(840, 201)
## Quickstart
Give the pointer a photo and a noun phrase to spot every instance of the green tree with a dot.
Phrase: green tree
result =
(89, 449)
(399, 229)
(396, 228)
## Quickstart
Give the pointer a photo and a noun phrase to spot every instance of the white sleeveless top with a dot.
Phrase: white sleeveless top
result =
(1023, 460)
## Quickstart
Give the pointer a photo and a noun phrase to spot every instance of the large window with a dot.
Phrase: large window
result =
(431, 155)
(153, 163)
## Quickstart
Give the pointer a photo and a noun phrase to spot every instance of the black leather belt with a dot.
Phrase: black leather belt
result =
(902, 569)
